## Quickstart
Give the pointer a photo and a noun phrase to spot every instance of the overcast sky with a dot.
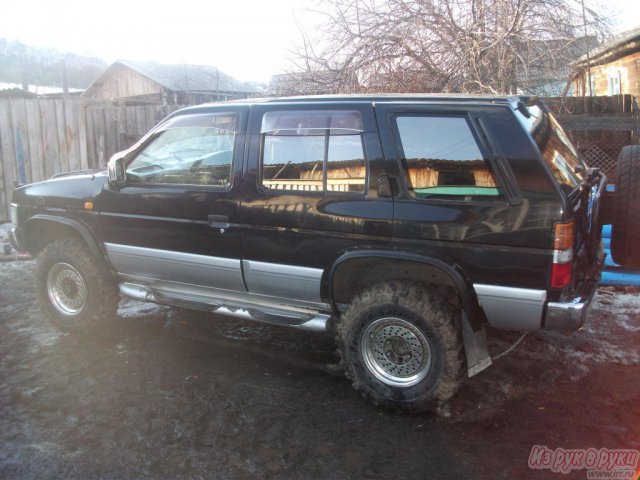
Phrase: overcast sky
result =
(248, 39)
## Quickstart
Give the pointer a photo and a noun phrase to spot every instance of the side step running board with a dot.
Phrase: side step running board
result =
(311, 321)
(317, 323)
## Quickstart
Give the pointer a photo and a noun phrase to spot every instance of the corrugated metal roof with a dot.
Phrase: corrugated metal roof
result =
(188, 78)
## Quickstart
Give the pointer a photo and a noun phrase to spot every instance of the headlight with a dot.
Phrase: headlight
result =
(14, 214)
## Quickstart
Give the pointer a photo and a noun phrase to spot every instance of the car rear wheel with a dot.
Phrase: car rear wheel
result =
(626, 216)
(401, 347)
(74, 291)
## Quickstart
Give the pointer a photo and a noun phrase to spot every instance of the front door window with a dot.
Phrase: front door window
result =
(193, 150)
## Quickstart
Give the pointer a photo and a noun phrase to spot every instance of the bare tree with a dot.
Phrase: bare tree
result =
(486, 46)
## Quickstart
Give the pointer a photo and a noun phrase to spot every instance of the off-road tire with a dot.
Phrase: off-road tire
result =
(423, 313)
(626, 216)
(70, 257)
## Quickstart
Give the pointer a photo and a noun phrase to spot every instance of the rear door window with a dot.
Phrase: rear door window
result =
(313, 151)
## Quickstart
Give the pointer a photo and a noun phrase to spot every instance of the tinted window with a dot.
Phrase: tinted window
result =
(317, 151)
(442, 159)
(345, 163)
(556, 148)
(189, 150)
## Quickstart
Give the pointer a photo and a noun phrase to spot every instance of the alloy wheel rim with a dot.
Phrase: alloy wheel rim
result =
(396, 352)
(66, 289)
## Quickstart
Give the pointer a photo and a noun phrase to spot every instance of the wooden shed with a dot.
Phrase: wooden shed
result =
(612, 68)
(148, 83)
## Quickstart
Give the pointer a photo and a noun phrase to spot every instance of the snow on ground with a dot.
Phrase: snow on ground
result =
(37, 89)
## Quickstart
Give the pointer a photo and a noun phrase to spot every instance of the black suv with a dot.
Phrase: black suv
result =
(404, 224)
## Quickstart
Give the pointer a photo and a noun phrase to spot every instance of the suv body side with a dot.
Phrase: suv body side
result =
(401, 224)
(315, 249)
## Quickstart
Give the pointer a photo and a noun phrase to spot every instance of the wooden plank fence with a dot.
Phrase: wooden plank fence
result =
(42, 137)
(605, 105)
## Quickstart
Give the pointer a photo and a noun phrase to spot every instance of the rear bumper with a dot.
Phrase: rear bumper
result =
(572, 314)
(568, 315)
(508, 308)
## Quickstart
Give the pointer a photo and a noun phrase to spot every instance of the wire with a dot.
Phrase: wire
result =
(511, 348)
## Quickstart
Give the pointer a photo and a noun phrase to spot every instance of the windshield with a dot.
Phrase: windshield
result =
(556, 148)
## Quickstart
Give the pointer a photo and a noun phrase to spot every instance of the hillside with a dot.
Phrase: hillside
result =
(20, 63)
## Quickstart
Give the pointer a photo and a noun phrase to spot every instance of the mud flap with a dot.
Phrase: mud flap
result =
(475, 348)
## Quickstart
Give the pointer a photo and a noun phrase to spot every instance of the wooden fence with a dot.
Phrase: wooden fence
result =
(599, 127)
(39, 138)
(604, 105)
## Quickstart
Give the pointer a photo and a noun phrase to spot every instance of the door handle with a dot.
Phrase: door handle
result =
(218, 221)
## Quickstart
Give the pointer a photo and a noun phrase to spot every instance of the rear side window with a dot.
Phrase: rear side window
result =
(442, 159)
(313, 151)
(556, 148)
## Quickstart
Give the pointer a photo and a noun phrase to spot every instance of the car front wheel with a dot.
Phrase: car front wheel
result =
(75, 292)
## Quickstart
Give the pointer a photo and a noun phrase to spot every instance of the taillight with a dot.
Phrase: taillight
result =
(562, 266)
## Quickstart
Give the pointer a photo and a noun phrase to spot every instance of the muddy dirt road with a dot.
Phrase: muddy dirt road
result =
(172, 394)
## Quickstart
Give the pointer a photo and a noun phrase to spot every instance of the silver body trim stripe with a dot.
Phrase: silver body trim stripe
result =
(511, 308)
(179, 267)
(286, 281)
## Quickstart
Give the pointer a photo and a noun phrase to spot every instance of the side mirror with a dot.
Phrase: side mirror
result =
(117, 175)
